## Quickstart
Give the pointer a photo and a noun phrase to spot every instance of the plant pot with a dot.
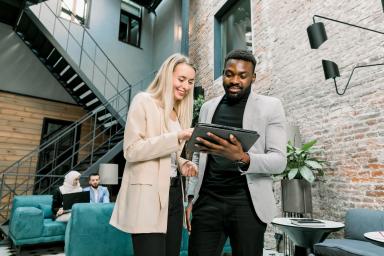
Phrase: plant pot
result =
(296, 196)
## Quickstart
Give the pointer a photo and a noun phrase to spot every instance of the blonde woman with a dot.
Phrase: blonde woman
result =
(150, 201)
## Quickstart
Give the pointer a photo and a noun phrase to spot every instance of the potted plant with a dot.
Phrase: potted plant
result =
(302, 170)
(197, 103)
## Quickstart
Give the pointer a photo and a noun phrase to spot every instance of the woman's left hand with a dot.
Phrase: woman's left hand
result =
(189, 169)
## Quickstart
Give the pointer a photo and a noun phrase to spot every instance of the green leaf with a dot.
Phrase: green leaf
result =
(313, 164)
(299, 151)
(308, 145)
(307, 174)
(292, 173)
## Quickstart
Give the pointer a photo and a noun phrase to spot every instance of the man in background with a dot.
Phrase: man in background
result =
(97, 193)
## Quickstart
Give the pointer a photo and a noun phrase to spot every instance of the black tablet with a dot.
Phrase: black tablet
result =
(246, 137)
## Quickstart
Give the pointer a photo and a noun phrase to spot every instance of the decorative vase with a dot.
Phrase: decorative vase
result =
(296, 196)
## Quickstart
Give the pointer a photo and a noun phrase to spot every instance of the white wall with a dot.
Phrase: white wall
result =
(133, 62)
(22, 72)
(167, 38)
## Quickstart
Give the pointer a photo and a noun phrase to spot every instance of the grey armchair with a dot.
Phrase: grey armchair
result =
(357, 222)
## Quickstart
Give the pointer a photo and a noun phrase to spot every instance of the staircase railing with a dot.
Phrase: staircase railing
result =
(85, 52)
(93, 135)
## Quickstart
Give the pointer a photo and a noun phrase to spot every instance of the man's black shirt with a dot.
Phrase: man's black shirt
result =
(222, 177)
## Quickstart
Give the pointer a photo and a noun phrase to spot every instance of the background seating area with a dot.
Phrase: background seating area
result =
(87, 233)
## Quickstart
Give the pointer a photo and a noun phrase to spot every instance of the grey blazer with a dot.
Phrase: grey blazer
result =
(268, 155)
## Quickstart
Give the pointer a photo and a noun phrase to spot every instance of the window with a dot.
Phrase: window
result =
(130, 23)
(233, 30)
(75, 10)
(57, 158)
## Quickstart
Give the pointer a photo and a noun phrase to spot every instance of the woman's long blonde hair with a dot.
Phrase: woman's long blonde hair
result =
(161, 88)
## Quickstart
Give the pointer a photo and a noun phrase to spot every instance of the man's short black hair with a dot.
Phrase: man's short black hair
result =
(239, 54)
(93, 174)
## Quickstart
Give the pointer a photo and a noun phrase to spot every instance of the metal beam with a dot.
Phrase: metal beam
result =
(185, 27)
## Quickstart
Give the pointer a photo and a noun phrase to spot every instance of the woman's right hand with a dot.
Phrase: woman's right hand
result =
(188, 212)
(185, 134)
(59, 212)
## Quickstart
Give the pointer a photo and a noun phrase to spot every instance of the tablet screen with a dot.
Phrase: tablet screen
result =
(246, 137)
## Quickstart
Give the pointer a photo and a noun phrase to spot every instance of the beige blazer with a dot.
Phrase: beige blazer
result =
(268, 155)
(142, 203)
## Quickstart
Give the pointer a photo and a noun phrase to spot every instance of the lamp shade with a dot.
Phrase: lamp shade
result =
(109, 174)
(330, 68)
(316, 34)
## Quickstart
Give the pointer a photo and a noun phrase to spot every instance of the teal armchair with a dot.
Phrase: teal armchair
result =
(357, 222)
(90, 234)
(31, 221)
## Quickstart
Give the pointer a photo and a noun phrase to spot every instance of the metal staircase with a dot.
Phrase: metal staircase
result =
(89, 76)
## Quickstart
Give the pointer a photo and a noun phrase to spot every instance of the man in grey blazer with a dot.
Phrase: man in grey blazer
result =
(232, 195)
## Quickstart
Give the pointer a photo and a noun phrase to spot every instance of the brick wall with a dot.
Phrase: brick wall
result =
(349, 128)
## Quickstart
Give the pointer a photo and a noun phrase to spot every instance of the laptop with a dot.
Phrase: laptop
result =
(73, 198)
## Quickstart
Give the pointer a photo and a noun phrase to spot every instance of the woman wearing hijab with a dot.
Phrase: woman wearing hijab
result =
(71, 185)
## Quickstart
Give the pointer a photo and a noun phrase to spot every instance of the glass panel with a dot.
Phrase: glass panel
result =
(134, 32)
(123, 30)
(236, 32)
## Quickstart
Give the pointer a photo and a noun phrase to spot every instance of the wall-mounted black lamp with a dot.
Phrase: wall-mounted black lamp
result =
(317, 36)
(331, 70)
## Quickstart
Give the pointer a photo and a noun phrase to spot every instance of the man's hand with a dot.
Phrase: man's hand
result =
(230, 149)
(189, 169)
(188, 212)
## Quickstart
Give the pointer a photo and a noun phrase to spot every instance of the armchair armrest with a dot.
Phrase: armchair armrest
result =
(27, 222)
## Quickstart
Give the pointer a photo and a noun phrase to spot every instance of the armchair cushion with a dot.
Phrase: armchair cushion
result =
(347, 247)
(29, 223)
(53, 228)
(47, 210)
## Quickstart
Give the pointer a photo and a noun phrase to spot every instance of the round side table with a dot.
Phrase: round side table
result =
(307, 235)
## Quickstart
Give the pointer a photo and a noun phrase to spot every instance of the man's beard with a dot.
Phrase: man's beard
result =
(95, 187)
(234, 98)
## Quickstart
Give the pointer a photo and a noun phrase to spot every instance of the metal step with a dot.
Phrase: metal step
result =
(103, 117)
(53, 58)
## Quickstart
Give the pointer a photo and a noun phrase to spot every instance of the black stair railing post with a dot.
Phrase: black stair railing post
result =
(40, 10)
(2, 186)
(105, 80)
(93, 68)
(74, 147)
(93, 140)
(81, 48)
(69, 32)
